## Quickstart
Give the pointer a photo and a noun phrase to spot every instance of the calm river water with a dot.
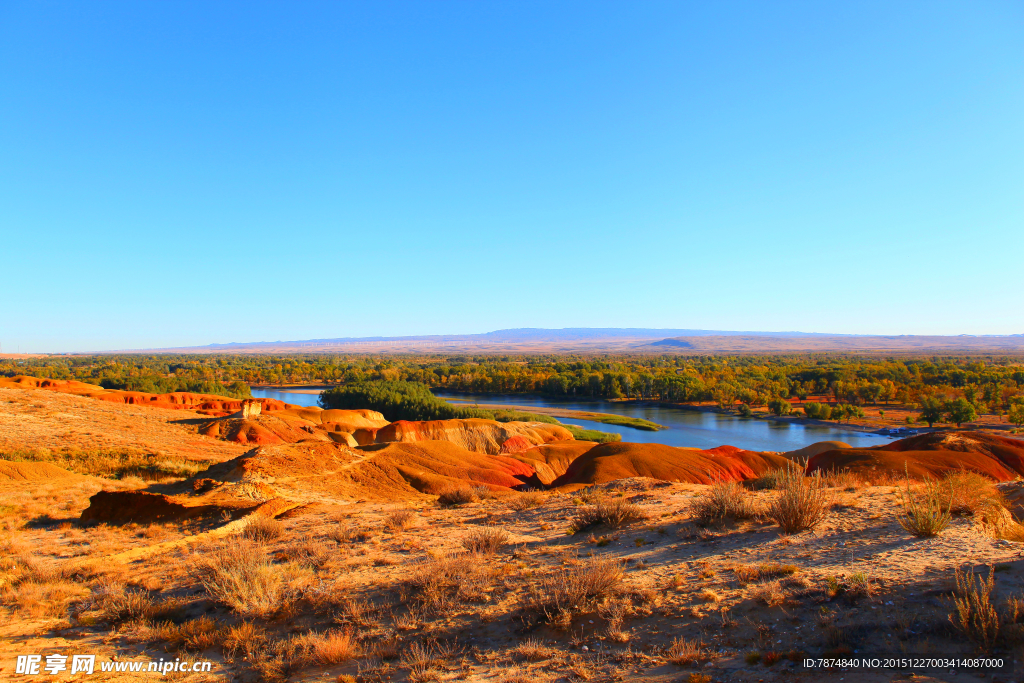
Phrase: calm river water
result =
(685, 427)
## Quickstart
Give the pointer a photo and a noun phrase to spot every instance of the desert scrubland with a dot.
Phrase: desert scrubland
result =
(288, 543)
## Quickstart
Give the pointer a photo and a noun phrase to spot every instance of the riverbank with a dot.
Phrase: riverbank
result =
(603, 418)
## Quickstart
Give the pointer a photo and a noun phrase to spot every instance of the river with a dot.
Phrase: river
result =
(685, 427)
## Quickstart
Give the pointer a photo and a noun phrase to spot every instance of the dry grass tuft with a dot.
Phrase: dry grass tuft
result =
(456, 497)
(925, 511)
(976, 615)
(326, 649)
(245, 639)
(485, 540)
(769, 570)
(309, 551)
(573, 589)
(721, 502)
(118, 604)
(535, 650)
(263, 529)
(770, 593)
(194, 635)
(399, 520)
(969, 493)
(440, 584)
(802, 502)
(610, 512)
(683, 652)
(242, 577)
(526, 500)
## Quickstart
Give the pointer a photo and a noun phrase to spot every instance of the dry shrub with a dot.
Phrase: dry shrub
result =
(456, 496)
(769, 570)
(485, 540)
(802, 502)
(610, 512)
(767, 481)
(118, 603)
(246, 639)
(976, 615)
(683, 652)
(534, 650)
(573, 589)
(969, 493)
(242, 577)
(708, 595)
(309, 551)
(341, 533)
(526, 500)
(41, 598)
(325, 649)
(770, 593)
(399, 520)
(195, 634)
(723, 501)
(263, 529)
(842, 479)
(439, 584)
(424, 660)
(925, 511)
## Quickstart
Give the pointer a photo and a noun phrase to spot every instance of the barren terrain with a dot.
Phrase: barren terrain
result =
(318, 560)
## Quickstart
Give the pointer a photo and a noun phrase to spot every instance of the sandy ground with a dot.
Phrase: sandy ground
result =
(857, 583)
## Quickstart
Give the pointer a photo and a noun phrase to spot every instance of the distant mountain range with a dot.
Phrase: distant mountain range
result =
(626, 340)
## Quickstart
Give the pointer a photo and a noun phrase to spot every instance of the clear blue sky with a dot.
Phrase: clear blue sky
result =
(178, 173)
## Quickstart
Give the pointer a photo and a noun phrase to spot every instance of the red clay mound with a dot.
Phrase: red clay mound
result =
(517, 444)
(481, 436)
(608, 462)
(931, 455)
(179, 400)
(808, 452)
(262, 430)
(747, 464)
(33, 471)
(434, 466)
(551, 460)
(140, 506)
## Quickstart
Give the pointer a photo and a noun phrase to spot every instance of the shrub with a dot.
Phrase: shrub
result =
(767, 481)
(610, 512)
(262, 529)
(976, 615)
(802, 502)
(535, 650)
(246, 639)
(243, 578)
(399, 520)
(309, 551)
(325, 649)
(526, 500)
(723, 500)
(118, 603)
(573, 589)
(456, 497)
(770, 593)
(438, 584)
(925, 512)
(970, 493)
(485, 541)
(818, 411)
(761, 572)
(683, 652)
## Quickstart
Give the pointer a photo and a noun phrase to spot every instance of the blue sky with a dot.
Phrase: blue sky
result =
(185, 173)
